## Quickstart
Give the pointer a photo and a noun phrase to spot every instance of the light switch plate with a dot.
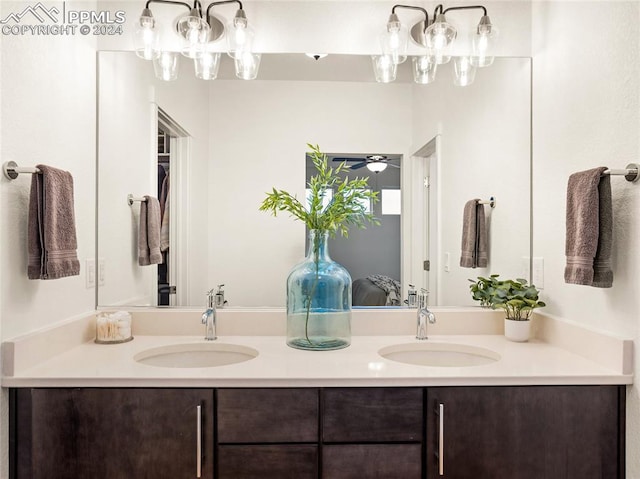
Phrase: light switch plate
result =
(90, 273)
(538, 272)
(101, 271)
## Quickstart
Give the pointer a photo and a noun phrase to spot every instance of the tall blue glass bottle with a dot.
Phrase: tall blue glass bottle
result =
(318, 300)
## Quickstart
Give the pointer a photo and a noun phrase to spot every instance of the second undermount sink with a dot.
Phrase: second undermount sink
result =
(439, 354)
(196, 355)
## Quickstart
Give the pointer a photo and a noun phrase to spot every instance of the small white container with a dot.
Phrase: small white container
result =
(113, 328)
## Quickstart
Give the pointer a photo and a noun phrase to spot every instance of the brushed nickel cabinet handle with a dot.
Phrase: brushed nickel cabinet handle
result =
(199, 441)
(441, 439)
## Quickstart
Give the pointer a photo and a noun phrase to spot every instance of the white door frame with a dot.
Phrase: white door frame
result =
(179, 210)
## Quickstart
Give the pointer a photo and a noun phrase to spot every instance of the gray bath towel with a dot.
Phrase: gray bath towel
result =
(589, 229)
(51, 229)
(474, 236)
(149, 232)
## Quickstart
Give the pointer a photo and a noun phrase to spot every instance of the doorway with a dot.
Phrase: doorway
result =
(172, 164)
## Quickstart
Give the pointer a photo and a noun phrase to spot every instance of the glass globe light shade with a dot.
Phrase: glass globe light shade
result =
(439, 36)
(207, 65)
(394, 40)
(424, 69)
(166, 65)
(247, 66)
(146, 38)
(484, 41)
(464, 71)
(376, 166)
(384, 68)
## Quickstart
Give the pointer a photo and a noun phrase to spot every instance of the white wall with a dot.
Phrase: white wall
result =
(485, 141)
(587, 114)
(259, 132)
(47, 114)
(129, 95)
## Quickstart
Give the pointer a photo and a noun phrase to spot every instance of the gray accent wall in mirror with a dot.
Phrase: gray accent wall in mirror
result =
(226, 142)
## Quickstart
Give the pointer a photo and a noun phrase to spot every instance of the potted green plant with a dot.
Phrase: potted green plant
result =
(516, 297)
(318, 288)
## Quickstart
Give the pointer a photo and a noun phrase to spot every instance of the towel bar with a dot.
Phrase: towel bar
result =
(12, 170)
(630, 172)
(131, 199)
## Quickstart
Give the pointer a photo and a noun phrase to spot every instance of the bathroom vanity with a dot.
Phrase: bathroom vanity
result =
(455, 432)
(537, 409)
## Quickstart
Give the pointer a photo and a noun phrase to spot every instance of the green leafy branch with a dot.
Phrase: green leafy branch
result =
(345, 209)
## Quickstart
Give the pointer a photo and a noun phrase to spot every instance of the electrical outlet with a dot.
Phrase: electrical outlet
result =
(538, 273)
(90, 273)
(447, 262)
(101, 271)
(526, 268)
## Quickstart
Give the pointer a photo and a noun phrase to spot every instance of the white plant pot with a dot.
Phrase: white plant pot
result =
(517, 330)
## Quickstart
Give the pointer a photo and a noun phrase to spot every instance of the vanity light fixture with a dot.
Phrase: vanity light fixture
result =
(198, 32)
(436, 36)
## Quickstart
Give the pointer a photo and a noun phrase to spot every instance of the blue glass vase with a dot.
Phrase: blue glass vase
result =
(318, 300)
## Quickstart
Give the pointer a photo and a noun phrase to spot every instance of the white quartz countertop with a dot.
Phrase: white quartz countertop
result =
(277, 365)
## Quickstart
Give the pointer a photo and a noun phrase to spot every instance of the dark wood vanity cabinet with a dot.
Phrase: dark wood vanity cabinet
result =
(111, 433)
(514, 432)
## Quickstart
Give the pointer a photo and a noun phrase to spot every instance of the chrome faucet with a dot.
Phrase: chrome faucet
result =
(424, 315)
(209, 317)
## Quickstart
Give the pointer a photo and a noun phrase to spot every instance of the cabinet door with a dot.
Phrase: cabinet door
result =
(144, 433)
(558, 432)
(42, 441)
(372, 415)
(111, 433)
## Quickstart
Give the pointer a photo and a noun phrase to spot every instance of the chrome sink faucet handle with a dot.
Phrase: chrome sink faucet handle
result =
(424, 315)
(209, 317)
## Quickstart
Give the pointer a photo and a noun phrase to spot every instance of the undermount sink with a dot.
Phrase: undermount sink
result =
(195, 355)
(439, 354)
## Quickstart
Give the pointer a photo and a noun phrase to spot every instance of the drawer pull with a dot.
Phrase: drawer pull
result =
(198, 440)
(441, 439)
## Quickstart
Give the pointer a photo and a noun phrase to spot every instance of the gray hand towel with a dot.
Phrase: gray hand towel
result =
(474, 236)
(602, 269)
(149, 232)
(51, 229)
(584, 238)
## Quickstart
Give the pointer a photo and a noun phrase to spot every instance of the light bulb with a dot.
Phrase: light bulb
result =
(195, 32)
(240, 36)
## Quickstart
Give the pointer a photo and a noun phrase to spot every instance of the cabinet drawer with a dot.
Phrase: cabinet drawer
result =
(372, 415)
(267, 415)
(268, 462)
(372, 461)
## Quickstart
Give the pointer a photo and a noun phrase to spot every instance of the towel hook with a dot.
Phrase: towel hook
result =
(11, 170)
